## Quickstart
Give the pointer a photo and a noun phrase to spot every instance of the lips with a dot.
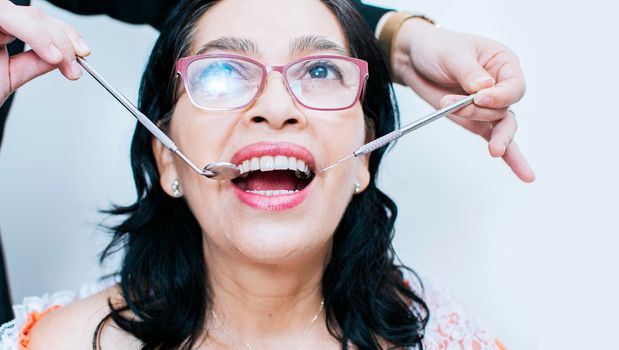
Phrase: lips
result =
(274, 175)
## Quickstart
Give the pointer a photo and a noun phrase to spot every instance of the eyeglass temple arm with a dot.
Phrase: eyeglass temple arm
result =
(147, 123)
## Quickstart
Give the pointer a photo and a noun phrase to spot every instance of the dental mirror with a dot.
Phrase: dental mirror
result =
(216, 170)
(396, 134)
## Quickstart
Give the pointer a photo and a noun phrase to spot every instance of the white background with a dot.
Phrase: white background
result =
(537, 262)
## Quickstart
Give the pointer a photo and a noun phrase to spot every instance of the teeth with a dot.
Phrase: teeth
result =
(254, 164)
(266, 163)
(271, 192)
(279, 162)
(300, 165)
(245, 167)
(292, 163)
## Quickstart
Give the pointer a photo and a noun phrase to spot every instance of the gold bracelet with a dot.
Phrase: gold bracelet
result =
(391, 28)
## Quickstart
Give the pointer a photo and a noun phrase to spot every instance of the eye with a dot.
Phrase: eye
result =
(321, 70)
(220, 69)
(318, 72)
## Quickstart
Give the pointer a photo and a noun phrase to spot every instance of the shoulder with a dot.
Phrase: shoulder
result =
(72, 326)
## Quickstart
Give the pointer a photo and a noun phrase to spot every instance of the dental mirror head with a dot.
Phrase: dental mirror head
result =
(221, 171)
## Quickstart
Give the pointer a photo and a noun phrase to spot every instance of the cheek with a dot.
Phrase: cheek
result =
(341, 134)
(200, 135)
(203, 138)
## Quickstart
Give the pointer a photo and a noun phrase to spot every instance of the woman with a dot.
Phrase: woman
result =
(283, 257)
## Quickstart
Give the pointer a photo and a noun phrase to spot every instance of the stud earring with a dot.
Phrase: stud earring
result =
(357, 187)
(176, 188)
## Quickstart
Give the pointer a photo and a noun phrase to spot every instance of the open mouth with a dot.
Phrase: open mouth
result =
(273, 175)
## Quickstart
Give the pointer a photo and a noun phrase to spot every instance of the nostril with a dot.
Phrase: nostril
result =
(258, 119)
(292, 121)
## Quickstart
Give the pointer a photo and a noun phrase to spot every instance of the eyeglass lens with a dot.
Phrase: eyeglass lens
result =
(228, 83)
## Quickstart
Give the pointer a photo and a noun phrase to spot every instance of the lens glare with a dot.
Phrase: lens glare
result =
(223, 83)
(228, 83)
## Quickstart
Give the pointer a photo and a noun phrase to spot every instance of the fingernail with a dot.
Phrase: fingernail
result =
(76, 70)
(83, 46)
(483, 100)
(448, 101)
(481, 81)
(54, 52)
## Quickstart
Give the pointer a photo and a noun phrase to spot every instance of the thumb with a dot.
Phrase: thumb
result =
(26, 66)
(471, 76)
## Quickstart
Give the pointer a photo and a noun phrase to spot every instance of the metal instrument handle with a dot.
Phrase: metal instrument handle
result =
(378, 143)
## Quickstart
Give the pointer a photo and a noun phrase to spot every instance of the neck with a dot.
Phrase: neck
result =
(265, 305)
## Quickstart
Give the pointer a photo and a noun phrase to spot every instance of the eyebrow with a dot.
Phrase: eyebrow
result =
(249, 47)
(314, 43)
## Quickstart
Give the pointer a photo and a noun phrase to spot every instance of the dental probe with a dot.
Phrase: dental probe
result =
(215, 170)
(396, 134)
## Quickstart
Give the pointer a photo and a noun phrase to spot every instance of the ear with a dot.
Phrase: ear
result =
(363, 172)
(165, 165)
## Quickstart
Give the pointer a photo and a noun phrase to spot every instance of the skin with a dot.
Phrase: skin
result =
(54, 45)
(265, 267)
(443, 66)
(257, 298)
(422, 59)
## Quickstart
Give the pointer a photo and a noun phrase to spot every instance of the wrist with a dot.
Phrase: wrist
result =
(411, 29)
(396, 32)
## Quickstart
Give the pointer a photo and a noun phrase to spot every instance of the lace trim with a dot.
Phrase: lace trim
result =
(450, 327)
(9, 332)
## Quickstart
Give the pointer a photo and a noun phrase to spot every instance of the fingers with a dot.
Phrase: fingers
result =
(500, 142)
(509, 89)
(25, 67)
(516, 161)
(69, 66)
(54, 41)
(502, 135)
(473, 111)
(19, 24)
(471, 76)
(6, 39)
(79, 45)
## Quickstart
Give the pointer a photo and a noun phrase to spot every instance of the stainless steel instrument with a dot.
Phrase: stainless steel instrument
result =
(215, 170)
(396, 134)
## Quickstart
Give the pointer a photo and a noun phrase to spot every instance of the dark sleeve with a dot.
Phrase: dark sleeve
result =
(371, 14)
(153, 12)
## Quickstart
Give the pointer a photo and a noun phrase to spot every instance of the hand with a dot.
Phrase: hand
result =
(443, 66)
(54, 45)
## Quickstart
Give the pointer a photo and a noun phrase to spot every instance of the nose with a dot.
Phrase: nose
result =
(275, 107)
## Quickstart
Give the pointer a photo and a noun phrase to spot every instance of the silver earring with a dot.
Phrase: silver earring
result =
(357, 187)
(176, 188)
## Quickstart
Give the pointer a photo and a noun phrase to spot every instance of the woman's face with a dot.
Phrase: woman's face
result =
(258, 226)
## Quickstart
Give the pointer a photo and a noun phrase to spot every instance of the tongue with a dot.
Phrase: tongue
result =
(273, 180)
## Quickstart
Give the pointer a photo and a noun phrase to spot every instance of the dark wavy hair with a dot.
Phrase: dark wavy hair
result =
(163, 275)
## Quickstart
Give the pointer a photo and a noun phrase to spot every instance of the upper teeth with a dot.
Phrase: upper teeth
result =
(269, 163)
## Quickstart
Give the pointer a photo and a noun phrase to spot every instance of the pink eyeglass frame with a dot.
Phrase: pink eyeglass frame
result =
(183, 63)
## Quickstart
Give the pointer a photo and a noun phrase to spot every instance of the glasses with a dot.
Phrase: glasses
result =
(222, 82)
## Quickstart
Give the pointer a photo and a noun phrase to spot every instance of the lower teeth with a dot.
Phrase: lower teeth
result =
(271, 192)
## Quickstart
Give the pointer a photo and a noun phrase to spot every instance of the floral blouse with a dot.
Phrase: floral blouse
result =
(449, 327)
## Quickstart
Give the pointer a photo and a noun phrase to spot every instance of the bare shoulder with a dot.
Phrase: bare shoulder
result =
(73, 326)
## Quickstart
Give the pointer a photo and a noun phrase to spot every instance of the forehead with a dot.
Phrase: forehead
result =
(272, 27)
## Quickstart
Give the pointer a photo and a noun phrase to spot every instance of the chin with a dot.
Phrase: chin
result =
(275, 245)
